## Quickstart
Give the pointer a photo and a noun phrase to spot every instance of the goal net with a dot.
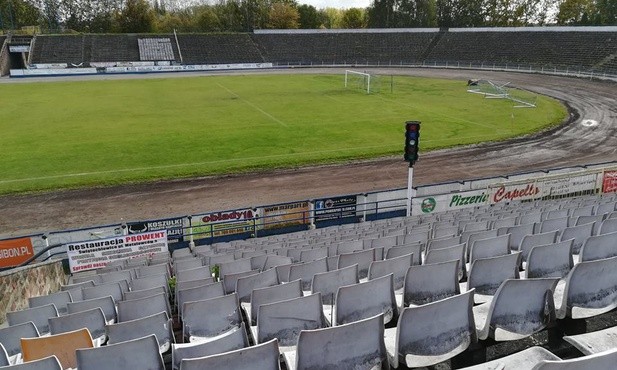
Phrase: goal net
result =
(495, 90)
(363, 81)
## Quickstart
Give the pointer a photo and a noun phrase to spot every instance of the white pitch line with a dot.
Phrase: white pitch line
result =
(255, 107)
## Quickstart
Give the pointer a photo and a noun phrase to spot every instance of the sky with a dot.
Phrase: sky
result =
(337, 3)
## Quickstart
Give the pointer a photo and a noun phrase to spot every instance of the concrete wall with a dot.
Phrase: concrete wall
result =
(18, 284)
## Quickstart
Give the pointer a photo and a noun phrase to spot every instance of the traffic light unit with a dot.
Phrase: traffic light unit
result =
(412, 138)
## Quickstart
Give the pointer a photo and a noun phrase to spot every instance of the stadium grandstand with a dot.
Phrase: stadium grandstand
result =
(516, 271)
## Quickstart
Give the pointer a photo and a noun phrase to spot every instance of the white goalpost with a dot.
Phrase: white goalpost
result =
(362, 79)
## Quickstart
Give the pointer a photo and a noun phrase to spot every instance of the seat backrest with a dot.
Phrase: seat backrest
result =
(554, 224)
(38, 315)
(553, 260)
(107, 304)
(520, 308)
(599, 361)
(591, 289)
(306, 271)
(4, 357)
(441, 243)
(483, 235)
(579, 233)
(599, 246)
(487, 274)
(327, 283)
(137, 308)
(313, 254)
(137, 294)
(188, 264)
(246, 284)
(158, 324)
(259, 357)
(47, 363)
(273, 261)
(359, 345)
(456, 252)
(397, 266)
(59, 299)
(85, 284)
(93, 320)
(491, 247)
(272, 294)
(363, 259)
(193, 283)
(517, 233)
(504, 222)
(196, 273)
(152, 281)
(77, 279)
(211, 317)
(153, 270)
(420, 343)
(234, 267)
(62, 346)
(112, 277)
(384, 241)
(10, 336)
(608, 226)
(421, 236)
(349, 246)
(363, 300)
(401, 250)
(232, 340)
(142, 353)
(445, 231)
(199, 294)
(533, 240)
(431, 282)
(104, 290)
(285, 319)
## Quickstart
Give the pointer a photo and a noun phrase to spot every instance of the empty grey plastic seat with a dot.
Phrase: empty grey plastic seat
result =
(397, 266)
(47, 363)
(113, 277)
(153, 270)
(432, 282)
(259, 357)
(456, 252)
(328, 283)
(4, 357)
(579, 233)
(606, 208)
(385, 241)
(232, 340)
(363, 300)
(598, 247)
(306, 271)
(282, 271)
(313, 254)
(272, 294)
(470, 237)
(553, 260)
(197, 273)
(106, 304)
(272, 261)
(234, 267)
(349, 246)
(414, 249)
(445, 231)
(517, 233)
(187, 264)
(152, 281)
(594, 342)
(362, 258)
(524, 359)
(59, 299)
(421, 237)
(203, 320)
(419, 341)
(38, 315)
(193, 283)
(86, 276)
(487, 274)
(530, 218)
(10, 338)
(443, 242)
(530, 241)
(284, 320)
(246, 284)
(504, 223)
(590, 289)
(93, 320)
(142, 353)
(158, 324)
(85, 284)
(608, 226)
(491, 247)
(598, 361)
(358, 345)
(136, 294)
(199, 293)
(519, 309)
(230, 280)
(137, 308)
(181, 252)
(110, 289)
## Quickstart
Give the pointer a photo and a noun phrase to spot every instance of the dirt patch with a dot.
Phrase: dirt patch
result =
(569, 144)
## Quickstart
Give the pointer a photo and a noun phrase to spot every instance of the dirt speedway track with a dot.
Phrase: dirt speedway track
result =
(579, 141)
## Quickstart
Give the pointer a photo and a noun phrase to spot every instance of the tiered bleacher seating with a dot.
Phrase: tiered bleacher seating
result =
(155, 49)
(219, 49)
(438, 314)
(59, 49)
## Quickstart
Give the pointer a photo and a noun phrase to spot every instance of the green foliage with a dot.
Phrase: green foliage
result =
(136, 17)
(172, 284)
(215, 272)
(283, 16)
(309, 17)
(353, 18)
(84, 133)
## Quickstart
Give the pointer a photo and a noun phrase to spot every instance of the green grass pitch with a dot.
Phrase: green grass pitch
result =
(89, 133)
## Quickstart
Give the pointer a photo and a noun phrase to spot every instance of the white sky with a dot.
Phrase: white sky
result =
(337, 3)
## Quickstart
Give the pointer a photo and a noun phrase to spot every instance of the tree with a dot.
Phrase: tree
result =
(381, 14)
(136, 17)
(283, 16)
(576, 12)
(353, 18)
(417, 13)
(309, 17)
(330, 17)
(207, 20)
(607, 12)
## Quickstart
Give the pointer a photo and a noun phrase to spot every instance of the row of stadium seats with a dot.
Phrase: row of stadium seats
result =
(590, 50)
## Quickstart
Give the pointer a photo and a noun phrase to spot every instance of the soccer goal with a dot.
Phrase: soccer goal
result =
(494, 90)
(361, 80)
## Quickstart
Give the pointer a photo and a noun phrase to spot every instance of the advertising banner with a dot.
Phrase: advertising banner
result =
(223, 223)
(174, 227)
(509, 193)
(94, 254)
(447, 202)
(609, 182)
(333, 208)
(285, 215)
(15, 251)
(568, 185)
